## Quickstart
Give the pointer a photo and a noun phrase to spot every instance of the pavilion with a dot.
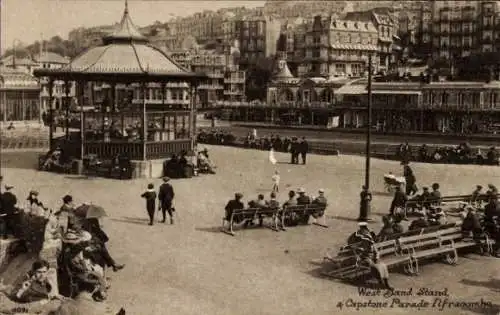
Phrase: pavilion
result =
(134, 120)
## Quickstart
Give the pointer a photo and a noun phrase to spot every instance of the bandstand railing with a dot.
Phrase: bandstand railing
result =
(161, 149)
(108, 150)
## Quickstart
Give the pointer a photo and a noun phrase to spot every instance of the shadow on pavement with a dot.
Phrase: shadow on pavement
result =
(371, 283)
(21, 159)
(493, 284)
(138, 221)
(215, 229)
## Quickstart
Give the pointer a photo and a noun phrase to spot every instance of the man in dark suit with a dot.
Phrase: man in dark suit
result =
(303, 149)
(9, 211)
(166, 196)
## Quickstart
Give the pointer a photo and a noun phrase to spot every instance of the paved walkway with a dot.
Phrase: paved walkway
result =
(192, 268)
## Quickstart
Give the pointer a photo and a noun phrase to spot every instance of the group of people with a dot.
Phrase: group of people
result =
(83, 258)
(461, 154)
(482, 216)
(165, 201)
(294, 199)
(178, 166)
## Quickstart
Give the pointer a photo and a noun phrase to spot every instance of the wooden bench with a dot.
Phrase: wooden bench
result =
(352, 267)
(303, 211)
(250, 214)
(392, 252)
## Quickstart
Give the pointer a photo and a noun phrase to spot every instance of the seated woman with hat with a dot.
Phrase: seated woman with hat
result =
(77, 257)
(362, 242)
(35, 206)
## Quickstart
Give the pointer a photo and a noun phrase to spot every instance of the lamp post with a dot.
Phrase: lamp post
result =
(14, 42)
(366, 196)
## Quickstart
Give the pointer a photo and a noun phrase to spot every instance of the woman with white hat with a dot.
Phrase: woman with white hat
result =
(80, 264)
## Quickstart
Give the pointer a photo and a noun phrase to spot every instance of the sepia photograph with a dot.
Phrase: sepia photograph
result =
(249, 157)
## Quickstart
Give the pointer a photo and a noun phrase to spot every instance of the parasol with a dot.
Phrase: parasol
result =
(90, 211)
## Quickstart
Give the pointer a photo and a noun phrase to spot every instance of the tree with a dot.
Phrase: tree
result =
(258, 76)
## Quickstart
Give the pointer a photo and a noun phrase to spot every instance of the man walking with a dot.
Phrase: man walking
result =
(165, 196)
(304, 148)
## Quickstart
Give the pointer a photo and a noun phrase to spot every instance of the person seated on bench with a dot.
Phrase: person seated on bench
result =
(492, 189)
(420, 223)
(363, 241)
(34, 206)
(257, 203)
(35, 286)
(436, 216)
(320, 201)
(492, 208)
(292, 201)
(81, 263)
(421, 201)
(435, 195)
(204, 163)
(397, 227)
(171, 167)
(399, 200)
(303, 200)
(387, 228)
(474, 199)
(234, 204)
(99, 239)
(471, 224)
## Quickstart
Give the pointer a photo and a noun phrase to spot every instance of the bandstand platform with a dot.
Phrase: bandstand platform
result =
(147, 102)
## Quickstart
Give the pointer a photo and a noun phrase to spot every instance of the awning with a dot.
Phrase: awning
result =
(353, 89)
(364, 47)
(396, 92)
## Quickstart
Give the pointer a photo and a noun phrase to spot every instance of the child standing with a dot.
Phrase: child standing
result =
(276, 181)
(150, 196)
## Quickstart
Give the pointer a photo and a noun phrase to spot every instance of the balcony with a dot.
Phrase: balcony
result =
(488, 27)
(234, 92)
(486, 40)
(234, 80)
(210, 87)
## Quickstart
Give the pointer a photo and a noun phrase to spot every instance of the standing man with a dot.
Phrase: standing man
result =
(304, 148)
(411, 180)
(364, 204)
(165, 196)
(150, 196)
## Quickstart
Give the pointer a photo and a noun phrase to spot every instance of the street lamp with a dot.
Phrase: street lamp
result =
(366, 196)
(14, 51)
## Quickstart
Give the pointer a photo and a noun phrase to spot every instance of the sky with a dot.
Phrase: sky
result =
(30, 20)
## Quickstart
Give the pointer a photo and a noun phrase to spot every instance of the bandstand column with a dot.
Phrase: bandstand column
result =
(23, 107)
(144, 126)
(79, 92)
(114, 101)
(51, 112)
(67, 88)
(163, 118)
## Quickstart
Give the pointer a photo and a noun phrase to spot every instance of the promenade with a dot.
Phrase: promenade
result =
(193, 268)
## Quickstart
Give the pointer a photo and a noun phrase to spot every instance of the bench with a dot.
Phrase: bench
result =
(303, 212)
(393, 252)
(352, 267)
(241, 215)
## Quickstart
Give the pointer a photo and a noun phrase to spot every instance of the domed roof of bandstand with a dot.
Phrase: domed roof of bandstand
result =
(125, 52)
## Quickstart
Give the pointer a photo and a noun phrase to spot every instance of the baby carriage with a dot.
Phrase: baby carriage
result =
(391, 182)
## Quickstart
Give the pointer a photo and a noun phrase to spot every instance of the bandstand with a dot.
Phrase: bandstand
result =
(147, 101)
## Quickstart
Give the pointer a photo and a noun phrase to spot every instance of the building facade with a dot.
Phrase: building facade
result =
(386, 27)
(226, 82)
(338, 47)
(19, 95)
(258, 38)
(50, 60)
